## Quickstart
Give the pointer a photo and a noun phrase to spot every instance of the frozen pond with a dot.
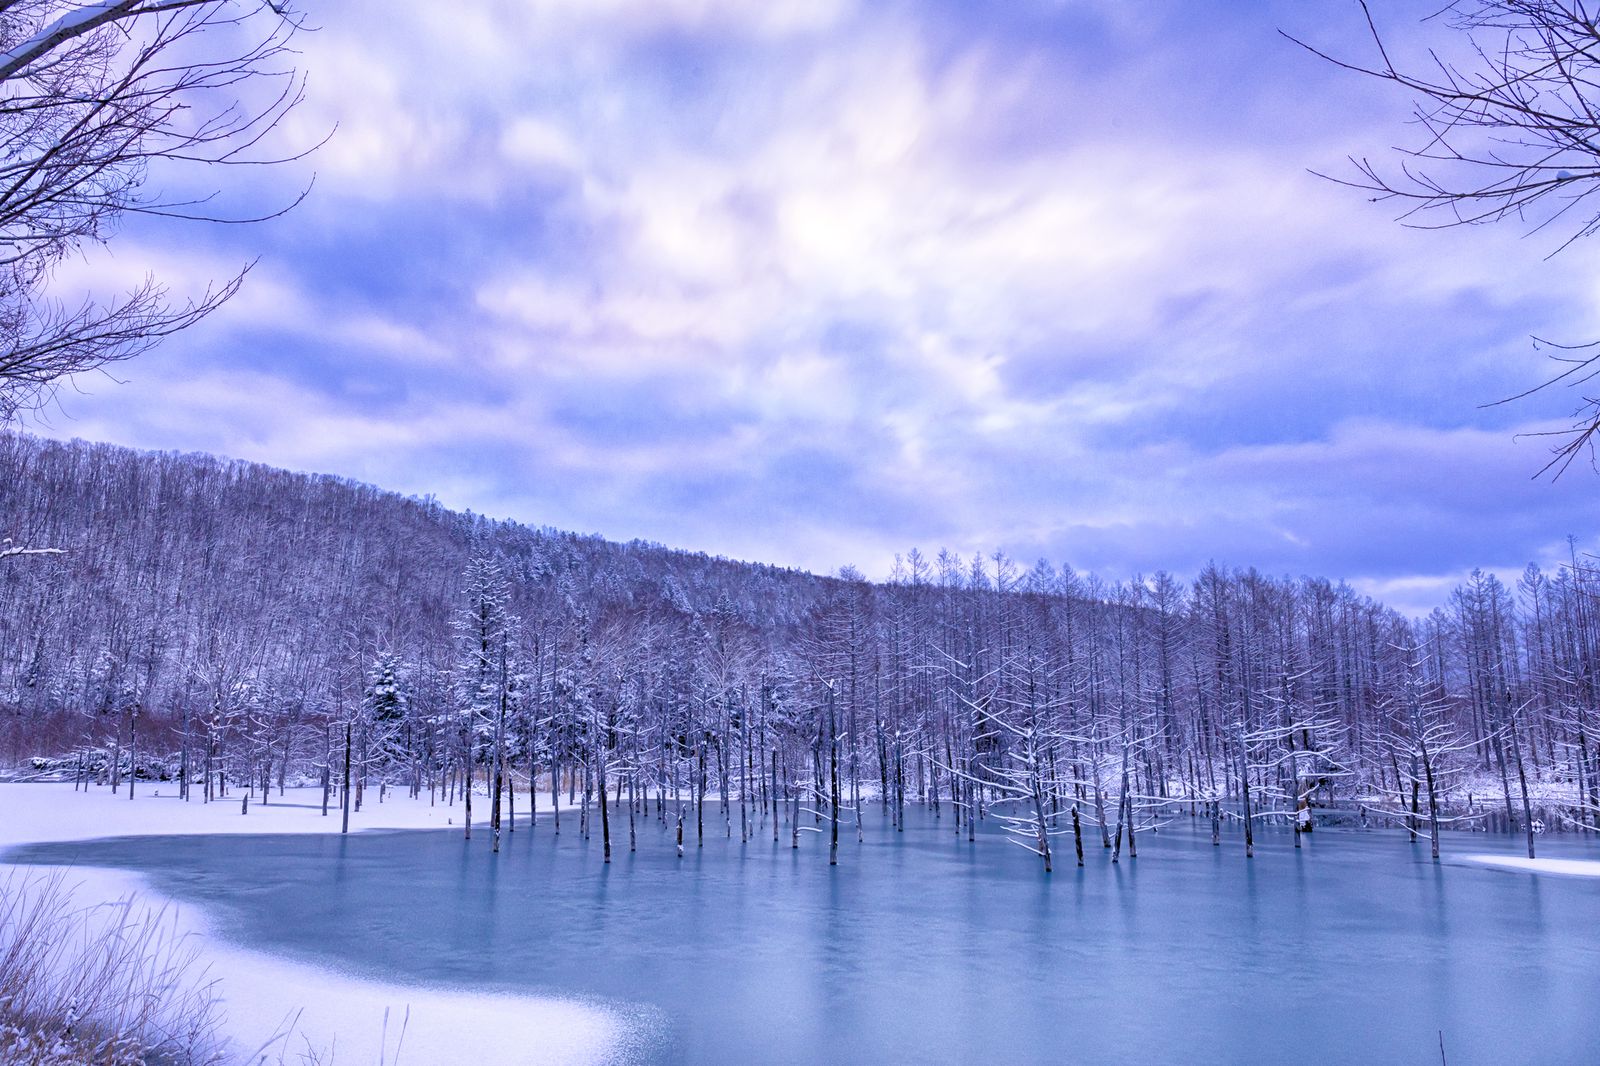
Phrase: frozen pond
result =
(923, 948)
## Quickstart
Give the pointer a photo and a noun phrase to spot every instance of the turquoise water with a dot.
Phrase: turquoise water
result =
(922, 948)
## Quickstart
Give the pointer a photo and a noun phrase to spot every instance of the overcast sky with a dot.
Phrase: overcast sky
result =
(815, 281)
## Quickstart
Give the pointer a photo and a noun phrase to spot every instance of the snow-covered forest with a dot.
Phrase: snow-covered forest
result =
(237, 627)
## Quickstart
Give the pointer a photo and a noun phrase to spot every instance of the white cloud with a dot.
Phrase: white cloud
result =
(961, 281)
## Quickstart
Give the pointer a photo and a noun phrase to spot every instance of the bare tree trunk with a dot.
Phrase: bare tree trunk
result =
(555, 791)
(1133, 829)
(183, 751)
(700, 796)
(466, 789)
(1522, 781)
(972, 807)
(344, 793)
(794, 800)
(1249, 830)
(605, 816)
(1039, 821)
(133, 757)
(1433, 803)
(116, 760)
(833, 781)
(1122, 803)
(497, 763)
(327, 767)
(588, 796)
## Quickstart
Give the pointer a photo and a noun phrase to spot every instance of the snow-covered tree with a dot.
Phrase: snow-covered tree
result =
(484, 634)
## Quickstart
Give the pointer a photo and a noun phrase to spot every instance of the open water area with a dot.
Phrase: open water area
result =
(922, 947)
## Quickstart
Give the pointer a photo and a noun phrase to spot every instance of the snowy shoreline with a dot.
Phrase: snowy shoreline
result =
(261, 992)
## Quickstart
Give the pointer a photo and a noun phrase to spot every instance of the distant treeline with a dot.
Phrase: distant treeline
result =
(253, 625)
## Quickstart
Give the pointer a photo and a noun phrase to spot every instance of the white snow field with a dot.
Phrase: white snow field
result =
(1562, 867)
(260, 991)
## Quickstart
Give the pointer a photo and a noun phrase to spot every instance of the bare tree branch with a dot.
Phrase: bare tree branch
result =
(95, 99)
(1509, 131)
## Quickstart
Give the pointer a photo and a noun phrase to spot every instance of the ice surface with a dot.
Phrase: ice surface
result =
(922, 947)
(329, 1009)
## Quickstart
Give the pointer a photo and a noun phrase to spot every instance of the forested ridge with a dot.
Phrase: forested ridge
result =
(235, 626)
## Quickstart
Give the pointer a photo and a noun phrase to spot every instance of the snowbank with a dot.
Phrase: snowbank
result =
(1564, 867)
(261, 992)
(31, 813)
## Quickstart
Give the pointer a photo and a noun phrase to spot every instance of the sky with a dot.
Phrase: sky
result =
(812, 282)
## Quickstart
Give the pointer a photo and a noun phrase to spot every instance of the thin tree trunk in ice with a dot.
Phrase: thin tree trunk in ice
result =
(700, 797)
(1516, 752)
(1249, 832)
(1100, 810)
(498, 764)
(588, 801)
(605, 814)
(833, 781)
(1133, 828)
(1039, 816)
(1433, 804)
(1122, 803)
(794, 800)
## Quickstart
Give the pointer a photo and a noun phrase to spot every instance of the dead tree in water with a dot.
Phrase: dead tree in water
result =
(1023, 789)
(1432, 746)
(1246, 815)
(605, 816)
(833, 775)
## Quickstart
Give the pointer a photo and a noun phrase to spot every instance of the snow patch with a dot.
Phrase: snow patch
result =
(1562, 867)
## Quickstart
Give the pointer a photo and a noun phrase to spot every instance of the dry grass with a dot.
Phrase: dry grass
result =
(117, 984)
(113, 983)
